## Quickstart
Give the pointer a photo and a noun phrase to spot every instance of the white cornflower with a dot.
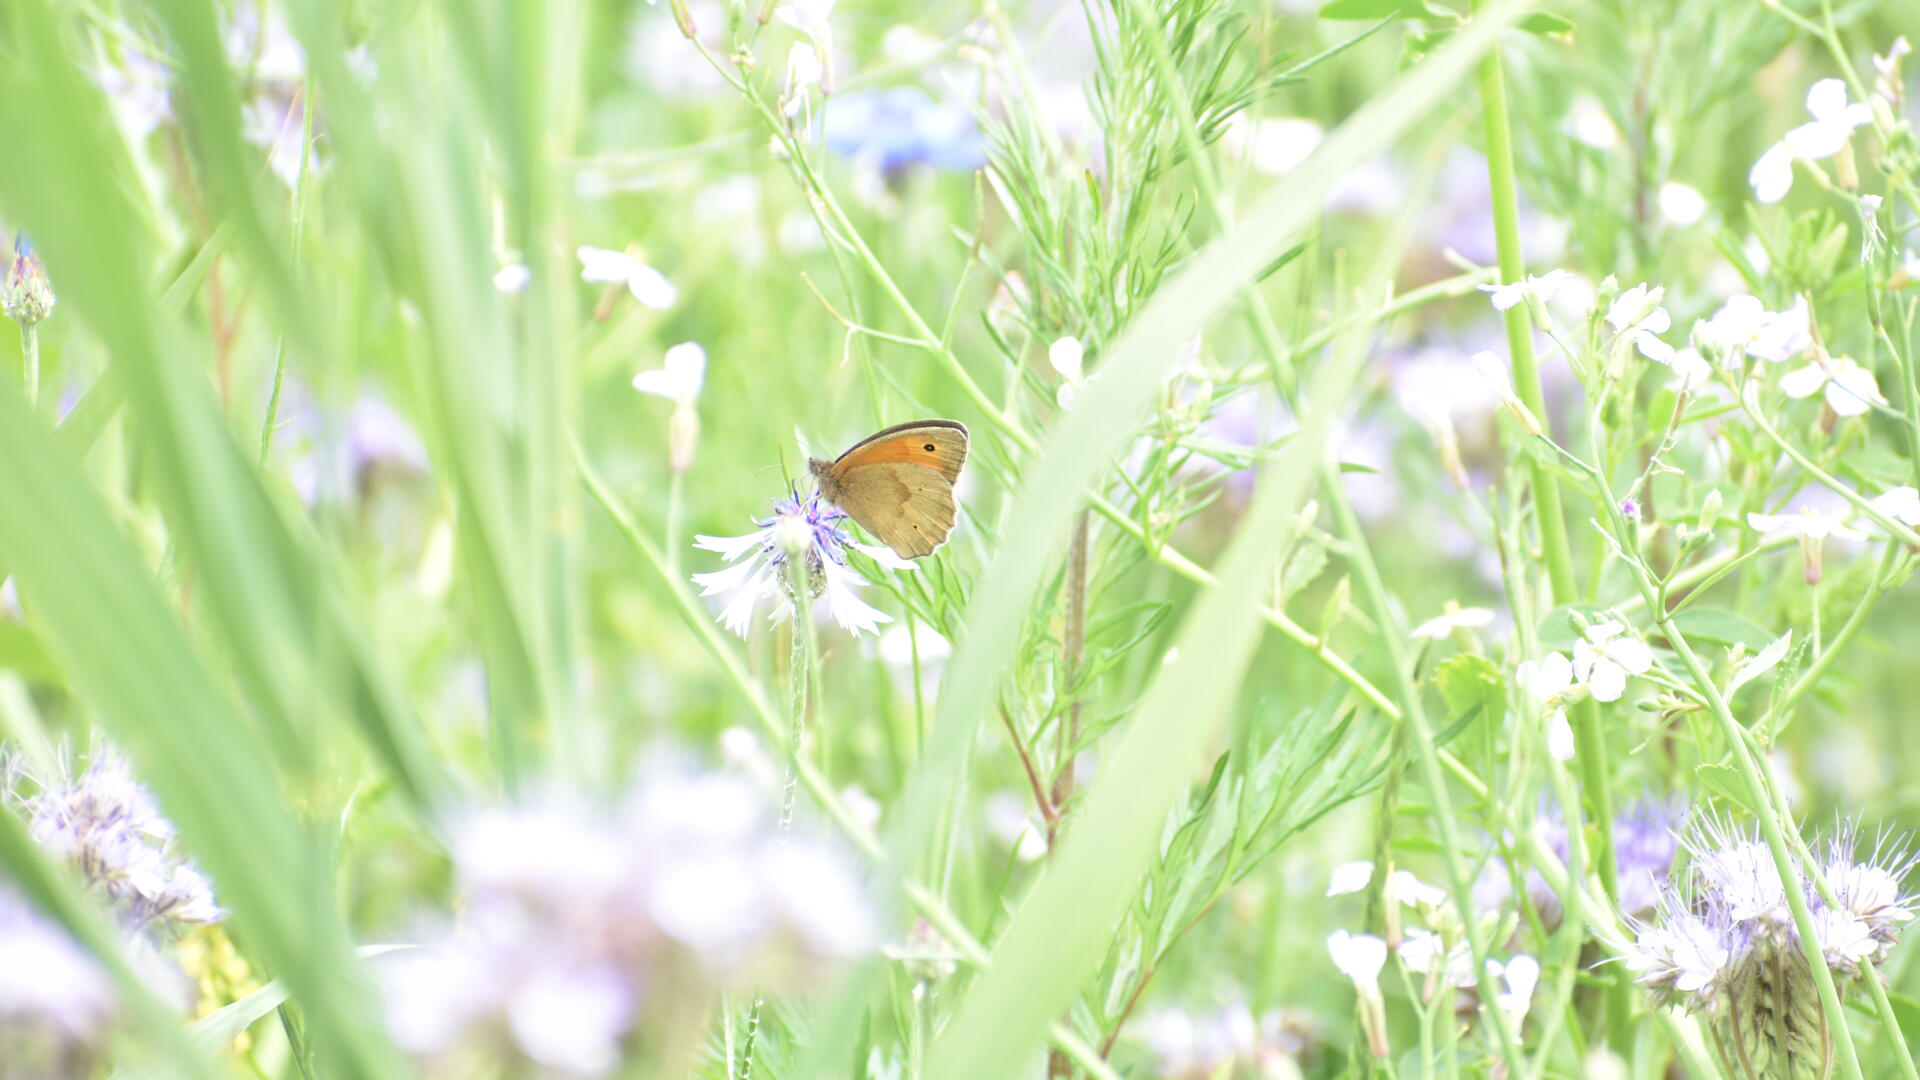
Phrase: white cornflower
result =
(606, 267)
(1542, 287)
(1828, 133)
(1606, 656)
(1851, 390)
(760, 566)
(1068, 358)
(1902, 504)
(1442, 626)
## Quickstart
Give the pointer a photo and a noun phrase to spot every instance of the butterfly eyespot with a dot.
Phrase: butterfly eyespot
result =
(928, 448)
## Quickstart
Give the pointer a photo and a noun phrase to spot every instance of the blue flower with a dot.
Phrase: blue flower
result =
(759, 567)
(901, 127)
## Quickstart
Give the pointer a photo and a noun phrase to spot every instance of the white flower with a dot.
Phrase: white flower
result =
(1542, 287)
(1515, 982)
(1850, 389)
(1349, 877)
(1427, 953)
(1408, 889)
(1743, 324)
(1637, 314)
(1887, 83)
(811, 17)
(1360, 958)
(1441, 626)
(1845, 938)
(1810, 523)
(1068, 358)
(1551, 683)
(1834, 120)
(1681, 204)
(512, 278)
(1604, 658)
(680, 375)
(1274, 145)
(803, 74)
(1902, 504)
(606, 267)
(1690, 369)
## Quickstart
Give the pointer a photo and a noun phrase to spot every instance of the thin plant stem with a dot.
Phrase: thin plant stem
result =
(272, 417)
(30, 351)
(799, 668)
(1752, 780)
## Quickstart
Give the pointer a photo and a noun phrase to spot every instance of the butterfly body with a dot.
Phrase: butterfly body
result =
(898, 483)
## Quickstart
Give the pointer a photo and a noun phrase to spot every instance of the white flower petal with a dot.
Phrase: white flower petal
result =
(1772, 175)
(1804, 382)
(1632, 654)
(1559, 736)
(603, 266)
(1350, 877)
(1607, 681)
(651, 287)
(1068, 357)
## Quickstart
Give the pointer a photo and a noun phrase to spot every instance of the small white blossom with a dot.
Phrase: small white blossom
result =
(1349, 877)
(603, 266)
(1832, 126)
(1681, 204)
(1637, 315)
(1514, 983)
(1606, 656)
(1068, 359)
(1442, 626)
(680, 375)
(512, 278)
(1428, 953)
(1494, 373)
(813, 18)
(1851, 389)
(1360, 958)
(1405, 887)
(1809, 523)
(1902, 504)
(1542, 287)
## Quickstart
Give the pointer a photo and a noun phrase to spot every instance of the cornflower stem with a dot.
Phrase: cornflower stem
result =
(30, 358)
(799, 669)
(1755, 783)
(925, 900)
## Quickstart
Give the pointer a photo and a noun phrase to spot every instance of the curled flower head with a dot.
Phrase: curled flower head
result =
(809, 527)
(107, 825)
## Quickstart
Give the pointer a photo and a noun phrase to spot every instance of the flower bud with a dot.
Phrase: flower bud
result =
(28, 298)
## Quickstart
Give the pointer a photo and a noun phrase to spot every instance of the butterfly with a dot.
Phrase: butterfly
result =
(898, 483)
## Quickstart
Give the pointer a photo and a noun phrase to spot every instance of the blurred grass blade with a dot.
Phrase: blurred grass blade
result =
(290, 639)
(1055, 480)
(103, 615)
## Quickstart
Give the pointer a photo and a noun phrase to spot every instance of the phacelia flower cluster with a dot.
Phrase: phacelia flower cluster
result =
(1725, 943)
(108, 826)
(583, 928)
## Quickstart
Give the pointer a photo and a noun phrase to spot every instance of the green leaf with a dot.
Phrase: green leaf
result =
(1906, 1013)
(1468, 683)
(1547, 23)
(1722, 627)
(1558, 629)
(1384, 9)
(1727, 782)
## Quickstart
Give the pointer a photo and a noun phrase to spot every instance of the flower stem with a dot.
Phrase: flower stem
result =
(1548, 510)
(1754, 783)
(30, 350)
(799, 667)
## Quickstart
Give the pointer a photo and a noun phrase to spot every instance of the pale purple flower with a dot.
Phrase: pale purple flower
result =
(106, 824)
(759, 567)
(577, 919)
(57, 1004)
